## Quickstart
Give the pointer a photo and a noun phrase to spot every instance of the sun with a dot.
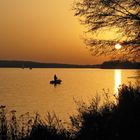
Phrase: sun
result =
(118, 46)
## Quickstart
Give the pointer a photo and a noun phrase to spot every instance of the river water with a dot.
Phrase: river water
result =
(28, 90)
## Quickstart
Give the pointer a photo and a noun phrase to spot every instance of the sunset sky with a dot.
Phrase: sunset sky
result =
(42, 30)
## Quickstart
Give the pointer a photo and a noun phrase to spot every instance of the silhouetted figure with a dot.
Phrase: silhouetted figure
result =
(55, 81)
(55, 77)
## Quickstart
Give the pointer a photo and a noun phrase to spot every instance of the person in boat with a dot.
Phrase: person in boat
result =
(55, 78)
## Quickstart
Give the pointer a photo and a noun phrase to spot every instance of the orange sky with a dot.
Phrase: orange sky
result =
(42, 30)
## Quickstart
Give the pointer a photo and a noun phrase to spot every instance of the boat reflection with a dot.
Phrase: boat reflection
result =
(117, 80)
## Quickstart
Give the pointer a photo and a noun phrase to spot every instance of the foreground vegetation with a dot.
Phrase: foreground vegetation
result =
(113, 120)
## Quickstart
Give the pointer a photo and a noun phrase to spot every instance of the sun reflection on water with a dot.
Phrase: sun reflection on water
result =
(117, 80)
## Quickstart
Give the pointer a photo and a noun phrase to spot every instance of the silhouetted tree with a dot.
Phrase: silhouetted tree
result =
(120, 15)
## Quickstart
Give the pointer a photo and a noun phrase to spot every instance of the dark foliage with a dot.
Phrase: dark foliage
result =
(111, 121)
(31, 127)
(117, 64)
(121, 15)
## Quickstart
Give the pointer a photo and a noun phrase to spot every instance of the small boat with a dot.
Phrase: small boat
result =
(56, 81)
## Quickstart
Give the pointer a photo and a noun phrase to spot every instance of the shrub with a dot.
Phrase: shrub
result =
(110, 121)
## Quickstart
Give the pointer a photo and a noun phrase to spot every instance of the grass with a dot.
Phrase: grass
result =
(113, 120)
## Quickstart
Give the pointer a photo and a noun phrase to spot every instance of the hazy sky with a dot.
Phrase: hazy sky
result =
(42, 30)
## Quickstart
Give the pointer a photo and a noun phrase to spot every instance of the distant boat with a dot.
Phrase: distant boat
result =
(23, 66)
(56, 81)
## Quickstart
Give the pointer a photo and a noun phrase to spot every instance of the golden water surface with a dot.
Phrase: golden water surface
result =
(28, 90)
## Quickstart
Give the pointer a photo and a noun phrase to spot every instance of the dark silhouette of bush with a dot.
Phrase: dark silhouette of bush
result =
(117, 120)
(51, 129)
(28, 127)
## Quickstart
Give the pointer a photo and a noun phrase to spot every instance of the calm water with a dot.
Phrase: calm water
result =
(29, 90)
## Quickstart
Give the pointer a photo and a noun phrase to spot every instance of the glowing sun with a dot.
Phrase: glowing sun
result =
(118, 46)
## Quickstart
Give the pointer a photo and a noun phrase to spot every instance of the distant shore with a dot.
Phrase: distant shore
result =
(105, 65)
(32, 64)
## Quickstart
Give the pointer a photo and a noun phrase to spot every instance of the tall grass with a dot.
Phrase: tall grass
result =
(28, 127)
(113, 120)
